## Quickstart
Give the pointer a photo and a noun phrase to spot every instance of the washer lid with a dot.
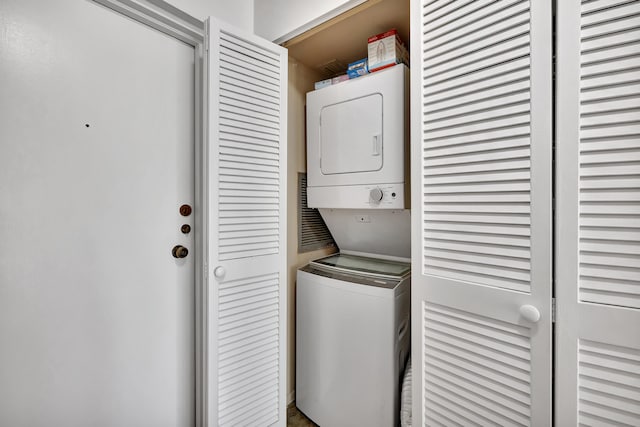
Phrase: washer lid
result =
(363, 265)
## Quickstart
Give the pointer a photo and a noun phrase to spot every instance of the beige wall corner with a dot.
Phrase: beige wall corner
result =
(301, 79)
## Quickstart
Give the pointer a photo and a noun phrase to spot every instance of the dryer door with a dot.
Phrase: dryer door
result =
(351, 136)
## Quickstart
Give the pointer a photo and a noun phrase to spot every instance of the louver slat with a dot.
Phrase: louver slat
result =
(460, 16)
(248, 351)
(491, 80)
(248, 149)
(265, 58)
(242, 59)
(475, 50)
(498, 22)
(476, 142)
(606, 14)
(610, 154)
(609, 384)
(476, 369)
(230, 89)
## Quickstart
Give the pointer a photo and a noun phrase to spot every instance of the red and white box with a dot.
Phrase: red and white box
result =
(385, 50)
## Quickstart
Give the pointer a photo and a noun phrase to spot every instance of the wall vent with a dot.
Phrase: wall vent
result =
(312, 231)
(332, 68)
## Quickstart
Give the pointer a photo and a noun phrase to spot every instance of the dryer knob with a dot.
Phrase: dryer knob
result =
(376, 195)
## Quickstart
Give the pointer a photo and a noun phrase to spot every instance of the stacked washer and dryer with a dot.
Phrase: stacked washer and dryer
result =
(353, 308)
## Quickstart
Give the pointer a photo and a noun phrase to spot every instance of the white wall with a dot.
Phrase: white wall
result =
(281, 20)
(237, 12)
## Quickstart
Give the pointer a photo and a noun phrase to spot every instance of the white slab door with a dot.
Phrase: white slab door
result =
(598, 215)
(96, 157)
(481, 212)
(247, 79)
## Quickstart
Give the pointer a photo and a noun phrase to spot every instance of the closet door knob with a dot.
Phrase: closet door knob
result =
(219, 272)
(179, 251)
(530, 313)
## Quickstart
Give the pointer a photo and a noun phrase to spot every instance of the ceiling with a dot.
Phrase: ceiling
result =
(329, 47)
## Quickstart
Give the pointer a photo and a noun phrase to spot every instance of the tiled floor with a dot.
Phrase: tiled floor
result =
(296, 418)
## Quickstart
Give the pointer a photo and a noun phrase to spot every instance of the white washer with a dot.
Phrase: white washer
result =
(352, 340)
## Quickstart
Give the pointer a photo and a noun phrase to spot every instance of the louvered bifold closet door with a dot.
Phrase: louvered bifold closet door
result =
(598, 213)
(247, 79)
(481, 212)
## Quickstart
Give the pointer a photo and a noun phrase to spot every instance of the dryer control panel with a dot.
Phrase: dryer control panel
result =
(377, 196)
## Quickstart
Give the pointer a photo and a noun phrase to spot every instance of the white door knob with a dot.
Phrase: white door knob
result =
(530, 313)
(219, 272)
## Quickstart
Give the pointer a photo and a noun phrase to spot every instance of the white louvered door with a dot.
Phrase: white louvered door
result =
(247, 237)
(598, 213)
(481, 212)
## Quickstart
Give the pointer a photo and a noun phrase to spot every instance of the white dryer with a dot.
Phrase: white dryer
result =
(352, 321)
(357, 142)
(357, 162)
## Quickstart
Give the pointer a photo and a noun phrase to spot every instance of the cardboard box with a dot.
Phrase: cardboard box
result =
(386, 49)
(339, 79)
(358, 68)
(322, 83)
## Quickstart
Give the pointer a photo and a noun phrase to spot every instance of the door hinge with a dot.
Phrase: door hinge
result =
(553, 310)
